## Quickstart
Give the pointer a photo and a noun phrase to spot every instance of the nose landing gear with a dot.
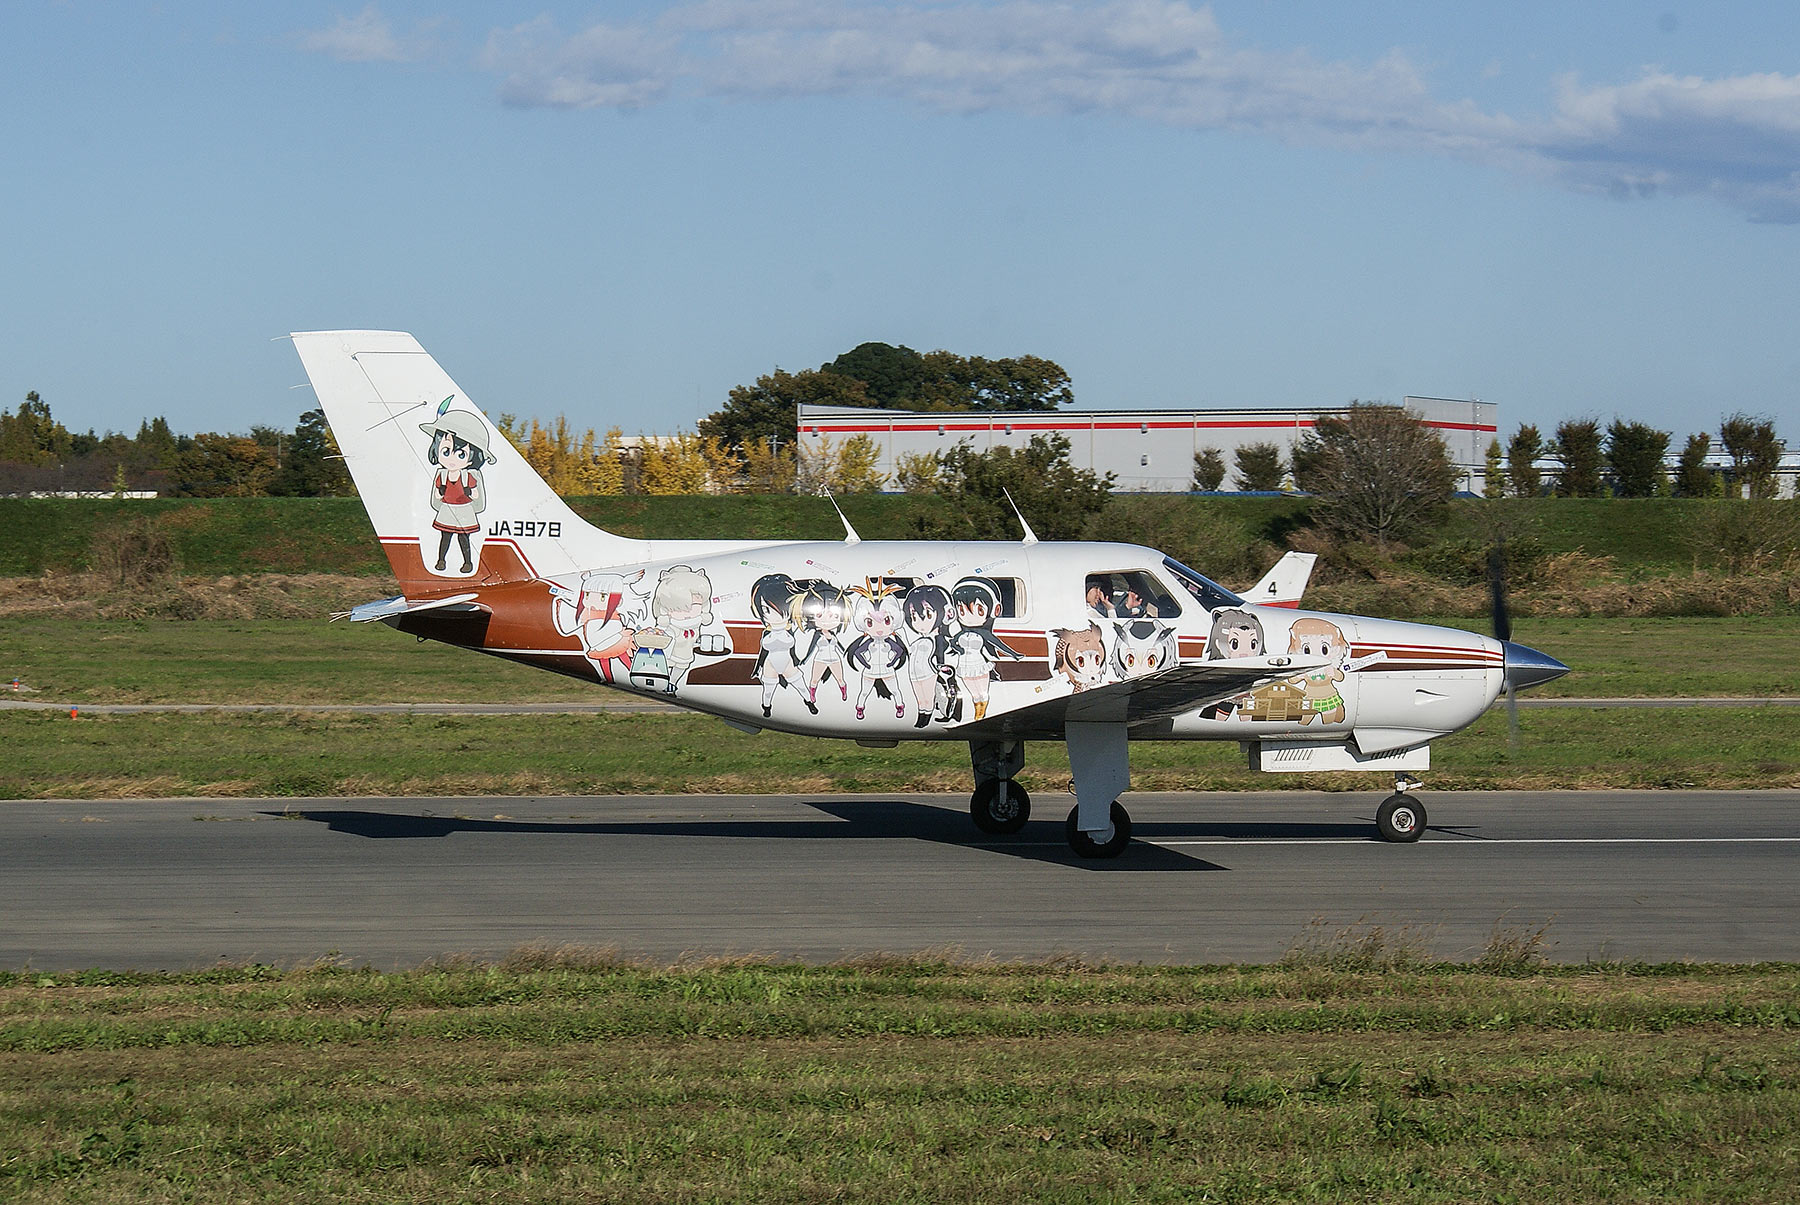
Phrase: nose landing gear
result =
(1401, 817)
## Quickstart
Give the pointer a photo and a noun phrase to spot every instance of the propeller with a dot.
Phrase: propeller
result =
(1503, 632)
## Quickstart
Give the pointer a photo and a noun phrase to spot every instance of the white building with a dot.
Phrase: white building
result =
(1145, 450)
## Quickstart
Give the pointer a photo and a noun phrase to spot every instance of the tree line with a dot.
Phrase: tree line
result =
(1624, 460)
(1629, 460)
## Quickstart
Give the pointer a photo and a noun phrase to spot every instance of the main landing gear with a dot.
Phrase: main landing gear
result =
(1401, 817)
(1098, 825)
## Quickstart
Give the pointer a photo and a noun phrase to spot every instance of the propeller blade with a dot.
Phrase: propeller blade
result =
(1497, 591)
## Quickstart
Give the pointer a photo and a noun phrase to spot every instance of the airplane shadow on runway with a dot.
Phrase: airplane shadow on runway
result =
(857, 820)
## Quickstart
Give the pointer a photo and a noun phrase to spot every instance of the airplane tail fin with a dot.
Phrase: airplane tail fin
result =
(452, 501)
(1283, 585)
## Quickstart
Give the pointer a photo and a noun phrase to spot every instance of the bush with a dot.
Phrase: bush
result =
(134, 554)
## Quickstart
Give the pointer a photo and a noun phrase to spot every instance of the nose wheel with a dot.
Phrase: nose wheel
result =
(1400, 817)
(1100, 845)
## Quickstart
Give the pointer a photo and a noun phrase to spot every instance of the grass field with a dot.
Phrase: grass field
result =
(566, 1076)
(311, 661)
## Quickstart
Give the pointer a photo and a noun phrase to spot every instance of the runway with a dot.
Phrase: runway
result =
(1237, 877)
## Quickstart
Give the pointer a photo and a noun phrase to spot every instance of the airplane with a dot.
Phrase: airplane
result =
(993, 644)
(1285, 582)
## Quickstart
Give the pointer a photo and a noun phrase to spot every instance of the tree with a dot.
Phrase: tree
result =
(1577, 445)
(1382, 474)
(1258, 466)
(30, 435)
(1634, 457)
(1022, 383)
(849, 467)
(1209, 470)
(1755, 454)
(1493, 483)
(155, 445)
(673, 464)
(881, 375)
(1694, 478)
(919, 472)
(222, 466)
(1522, 451)
(311, 465)
(769, 467)
(902, 379)
(893, 377)
(770, 409)
(1056, 497)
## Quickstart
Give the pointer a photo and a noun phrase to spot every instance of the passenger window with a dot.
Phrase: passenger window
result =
(1129, 594)
(1012, 596)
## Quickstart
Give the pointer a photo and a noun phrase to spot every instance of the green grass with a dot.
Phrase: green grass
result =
(311, 661)
(570, 1076)
(298, 754)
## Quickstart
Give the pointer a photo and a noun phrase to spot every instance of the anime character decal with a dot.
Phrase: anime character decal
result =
(926, 611)
(605, 613)
(975, 648)
(772, 599)
(878, 651)
(930, 650)
(458, 451)
(1235, 633)
(1314, 695)
(818, 612)
(1143, 646)
(1080, 657)
(680, 610)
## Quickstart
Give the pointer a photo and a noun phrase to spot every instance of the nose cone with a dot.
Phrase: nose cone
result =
(1527, 667)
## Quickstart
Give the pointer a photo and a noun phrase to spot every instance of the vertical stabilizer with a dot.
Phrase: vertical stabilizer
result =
(1283, 585)
(452, 501)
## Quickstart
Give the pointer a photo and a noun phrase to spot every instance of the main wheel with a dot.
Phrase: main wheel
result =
(1400, 818)
(999, 805)
(1086, 847)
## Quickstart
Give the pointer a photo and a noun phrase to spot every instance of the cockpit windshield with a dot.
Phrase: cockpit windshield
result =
(1210, 594)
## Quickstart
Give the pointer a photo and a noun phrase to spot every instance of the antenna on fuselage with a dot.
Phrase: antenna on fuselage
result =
(850, 536)
(1030, 535)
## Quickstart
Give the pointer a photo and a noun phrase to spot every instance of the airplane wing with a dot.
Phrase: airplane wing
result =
(1159, 696)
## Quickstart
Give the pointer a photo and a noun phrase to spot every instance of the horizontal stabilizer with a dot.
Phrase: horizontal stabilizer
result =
(390, 608)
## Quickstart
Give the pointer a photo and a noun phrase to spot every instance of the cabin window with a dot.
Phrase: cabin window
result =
(1129, 594)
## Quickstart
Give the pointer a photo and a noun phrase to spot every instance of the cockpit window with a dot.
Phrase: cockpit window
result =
(1208, 593)
(1129, 594)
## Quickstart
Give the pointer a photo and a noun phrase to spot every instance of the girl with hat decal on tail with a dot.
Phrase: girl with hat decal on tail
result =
(459, 449)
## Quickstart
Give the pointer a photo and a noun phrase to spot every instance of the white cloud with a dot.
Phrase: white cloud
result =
(1162, 61)
(365, 38)
(1735, 139)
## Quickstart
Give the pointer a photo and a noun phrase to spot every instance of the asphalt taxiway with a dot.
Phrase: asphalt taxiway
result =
(1238, 877)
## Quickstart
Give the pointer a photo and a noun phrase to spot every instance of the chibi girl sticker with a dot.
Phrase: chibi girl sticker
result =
(878, 651)
(772, 599)
(459, 449)
(975, 647)
(926, 610)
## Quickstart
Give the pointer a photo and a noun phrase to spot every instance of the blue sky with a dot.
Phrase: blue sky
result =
(620, 211)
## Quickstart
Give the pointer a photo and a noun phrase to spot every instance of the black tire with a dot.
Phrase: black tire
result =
(1400, 818)
(999, 805)
(1086, 847)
